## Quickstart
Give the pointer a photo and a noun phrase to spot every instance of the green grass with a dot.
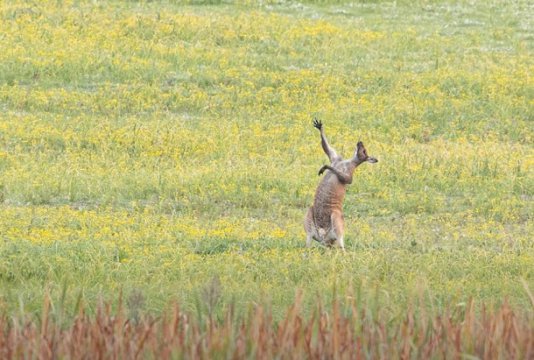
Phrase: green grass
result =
(149, 148)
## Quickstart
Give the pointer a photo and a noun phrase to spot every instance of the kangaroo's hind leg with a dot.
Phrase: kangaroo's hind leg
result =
(309, 226)
(338, 225)
(312, 233)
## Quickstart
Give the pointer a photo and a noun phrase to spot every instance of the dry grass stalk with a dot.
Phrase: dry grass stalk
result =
(332, 334)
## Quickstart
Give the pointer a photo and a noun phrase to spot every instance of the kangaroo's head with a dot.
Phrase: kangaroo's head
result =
(361, 155)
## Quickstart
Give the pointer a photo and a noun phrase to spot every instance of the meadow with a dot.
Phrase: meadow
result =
(163, 152)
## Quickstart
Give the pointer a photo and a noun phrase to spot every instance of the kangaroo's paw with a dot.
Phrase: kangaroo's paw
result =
(317, 124)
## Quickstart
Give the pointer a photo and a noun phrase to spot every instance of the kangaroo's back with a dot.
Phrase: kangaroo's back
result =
(328, 198)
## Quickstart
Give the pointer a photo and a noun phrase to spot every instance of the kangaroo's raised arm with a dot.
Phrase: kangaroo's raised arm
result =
(330, 152)
(343, 178)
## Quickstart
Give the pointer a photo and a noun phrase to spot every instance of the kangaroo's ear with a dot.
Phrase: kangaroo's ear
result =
(361, 150)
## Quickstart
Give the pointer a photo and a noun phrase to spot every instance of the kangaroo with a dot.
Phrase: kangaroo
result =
(324, 220)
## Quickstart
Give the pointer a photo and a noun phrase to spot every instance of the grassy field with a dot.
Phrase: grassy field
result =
(165, 152)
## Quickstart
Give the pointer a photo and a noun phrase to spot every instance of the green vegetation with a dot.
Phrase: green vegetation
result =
(152, 149)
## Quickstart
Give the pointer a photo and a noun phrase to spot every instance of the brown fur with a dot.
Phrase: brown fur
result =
(324, 220)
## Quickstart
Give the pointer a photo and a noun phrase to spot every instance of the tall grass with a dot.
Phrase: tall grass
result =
(346, 331)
